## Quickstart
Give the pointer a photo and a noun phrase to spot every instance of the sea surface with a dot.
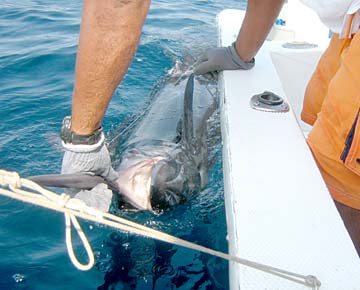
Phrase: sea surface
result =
(38, 46)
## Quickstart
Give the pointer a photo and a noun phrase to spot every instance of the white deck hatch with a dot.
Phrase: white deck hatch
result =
(279, 211)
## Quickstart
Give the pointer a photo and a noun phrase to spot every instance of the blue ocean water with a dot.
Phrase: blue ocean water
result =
(37, 57)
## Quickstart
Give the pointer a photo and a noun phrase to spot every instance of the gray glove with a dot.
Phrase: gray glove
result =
(93, 159)
(99, 197)
(221, 58)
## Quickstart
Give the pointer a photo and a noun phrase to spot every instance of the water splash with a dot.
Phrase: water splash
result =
(19, 278)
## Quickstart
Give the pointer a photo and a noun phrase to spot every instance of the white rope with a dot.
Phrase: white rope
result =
(72, 208)
(71, 219)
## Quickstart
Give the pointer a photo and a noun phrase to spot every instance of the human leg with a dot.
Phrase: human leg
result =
(109, 35)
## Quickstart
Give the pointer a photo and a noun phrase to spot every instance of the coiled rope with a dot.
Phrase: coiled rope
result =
(11, 186)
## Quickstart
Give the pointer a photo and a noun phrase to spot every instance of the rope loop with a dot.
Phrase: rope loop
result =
(312, 281)
(11, 179)
(72, 220)
(80, 206)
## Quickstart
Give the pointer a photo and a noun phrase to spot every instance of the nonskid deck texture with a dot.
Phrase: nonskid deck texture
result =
(279, 211)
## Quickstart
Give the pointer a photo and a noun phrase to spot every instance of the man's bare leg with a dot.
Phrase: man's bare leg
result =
(351, 218)
(109, 35)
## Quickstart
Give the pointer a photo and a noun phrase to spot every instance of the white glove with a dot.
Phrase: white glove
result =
(90, 159)
(99, 197)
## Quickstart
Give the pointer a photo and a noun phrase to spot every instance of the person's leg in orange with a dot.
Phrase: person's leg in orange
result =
(318, 85)
(336, 125)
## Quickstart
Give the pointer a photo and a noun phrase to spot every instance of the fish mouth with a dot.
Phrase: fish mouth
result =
(167, 184)
(159, 181)
(155, 183)
(134, 182)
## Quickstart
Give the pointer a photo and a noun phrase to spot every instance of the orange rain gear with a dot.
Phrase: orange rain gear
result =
(332, 106)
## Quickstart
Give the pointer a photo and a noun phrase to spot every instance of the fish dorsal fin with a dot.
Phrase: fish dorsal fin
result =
(73, 180)
(188, 121)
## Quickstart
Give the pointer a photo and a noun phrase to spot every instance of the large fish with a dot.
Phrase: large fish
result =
(165, 159)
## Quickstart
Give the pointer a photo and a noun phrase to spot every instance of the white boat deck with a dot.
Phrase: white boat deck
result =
(279, 211)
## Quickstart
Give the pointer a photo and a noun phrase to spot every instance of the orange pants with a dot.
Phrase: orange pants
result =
(331, 105)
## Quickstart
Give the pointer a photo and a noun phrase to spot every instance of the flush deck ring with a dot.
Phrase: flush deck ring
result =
(269, 102)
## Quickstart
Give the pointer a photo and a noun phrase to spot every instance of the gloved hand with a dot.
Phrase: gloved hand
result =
(221, 58)
(99, 197)
(93, 159)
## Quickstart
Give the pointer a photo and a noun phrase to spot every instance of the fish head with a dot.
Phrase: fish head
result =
(134, 182)
(168, 184)
(159, 181)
